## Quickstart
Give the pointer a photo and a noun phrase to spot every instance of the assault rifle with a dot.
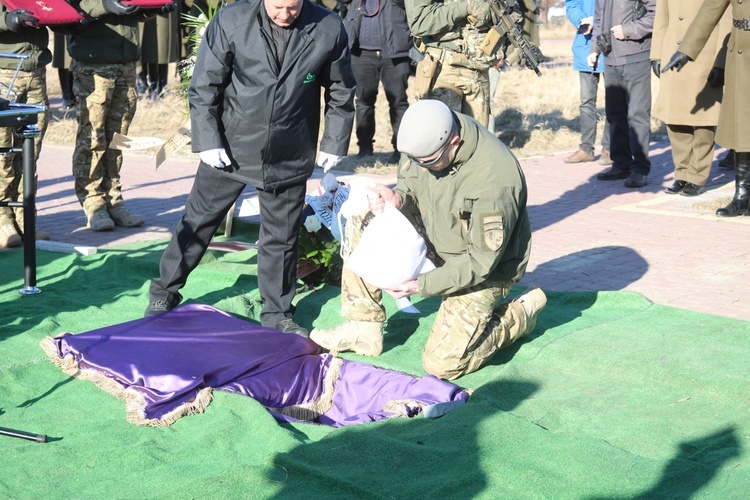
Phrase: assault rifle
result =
(505, 26)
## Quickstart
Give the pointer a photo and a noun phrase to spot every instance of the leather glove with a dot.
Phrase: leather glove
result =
(216, 158)
(17, 20)
(677, 61)
(479, 12)
(716, 77)
(592, 60)
(656, 68)
(167, 8)
(118, 8)
(328, 161)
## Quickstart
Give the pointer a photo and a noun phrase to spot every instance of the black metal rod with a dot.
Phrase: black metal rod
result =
(29, 214)
(39, 438)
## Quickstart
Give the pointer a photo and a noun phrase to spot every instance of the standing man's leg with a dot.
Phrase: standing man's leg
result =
(211, 196)
(587, 117)
(616, 106)
(606, 140)
(703, 156)
(366, 73)
(280, 221)
(637, 78)
(121, 112)
(394, 73)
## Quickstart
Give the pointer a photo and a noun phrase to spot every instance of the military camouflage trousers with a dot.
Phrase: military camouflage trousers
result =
(470, 326)
(30, 87)
(105, 102)
(462, 89)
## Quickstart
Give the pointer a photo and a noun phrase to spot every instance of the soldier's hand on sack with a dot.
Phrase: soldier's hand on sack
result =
(677, 61)
(592, 60)
(716, 77)
(479, 13)
(216, 158)
(404, 290)
(378, 195)
(119, 8)
(167, 8)
(17, 20)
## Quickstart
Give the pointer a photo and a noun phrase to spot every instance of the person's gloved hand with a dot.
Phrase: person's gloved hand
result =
(17, 20)
(328, 161)
(656, 68)
(479, 12)
(677, 61)
(216, 158)
(167, 8)
(716, 77)
(592, 60)
(119, 8)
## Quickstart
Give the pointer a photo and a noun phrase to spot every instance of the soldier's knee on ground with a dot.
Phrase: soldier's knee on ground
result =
(439, 368)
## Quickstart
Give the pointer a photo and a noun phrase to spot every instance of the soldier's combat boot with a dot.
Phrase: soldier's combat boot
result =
(9, 237)
(533, 302)
(740, 204)
(124, 217)
(100, 221)
(362, 337)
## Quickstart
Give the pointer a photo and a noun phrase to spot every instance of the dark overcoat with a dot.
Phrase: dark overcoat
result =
(268, 118)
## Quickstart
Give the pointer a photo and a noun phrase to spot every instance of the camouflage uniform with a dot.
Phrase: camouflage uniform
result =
(461, 81)
(475, 216)
(106, 102)
(30, 87)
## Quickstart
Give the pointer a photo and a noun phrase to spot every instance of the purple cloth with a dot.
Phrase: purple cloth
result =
(169, 358)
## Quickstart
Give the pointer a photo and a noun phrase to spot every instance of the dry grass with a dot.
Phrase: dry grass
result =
(533, 115)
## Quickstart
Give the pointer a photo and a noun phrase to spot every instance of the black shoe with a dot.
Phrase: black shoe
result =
(636, 180)
(613, 173)
(365, 153)
(157, 307)
(289, 326)
(728, 160)
(676, 187)
(691, 189)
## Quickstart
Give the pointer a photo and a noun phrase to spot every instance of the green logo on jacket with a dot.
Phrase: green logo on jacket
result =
(309, 78)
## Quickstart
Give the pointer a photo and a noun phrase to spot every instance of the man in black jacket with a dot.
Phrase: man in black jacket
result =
(379, 40)
(255, 115)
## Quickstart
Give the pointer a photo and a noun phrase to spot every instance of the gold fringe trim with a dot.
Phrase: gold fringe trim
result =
(314, 409)
(135, 403)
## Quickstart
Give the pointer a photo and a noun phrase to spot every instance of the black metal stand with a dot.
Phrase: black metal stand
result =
(23, 117)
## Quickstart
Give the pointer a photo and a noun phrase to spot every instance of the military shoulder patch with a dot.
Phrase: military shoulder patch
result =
(493, 231)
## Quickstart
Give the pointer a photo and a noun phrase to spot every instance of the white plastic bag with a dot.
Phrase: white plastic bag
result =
(390, 251)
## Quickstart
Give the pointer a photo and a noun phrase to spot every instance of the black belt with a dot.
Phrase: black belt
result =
(743, 24)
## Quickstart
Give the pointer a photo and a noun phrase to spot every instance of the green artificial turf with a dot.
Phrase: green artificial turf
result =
(610, 397)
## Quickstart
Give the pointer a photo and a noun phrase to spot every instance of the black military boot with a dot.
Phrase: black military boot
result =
(740, 204)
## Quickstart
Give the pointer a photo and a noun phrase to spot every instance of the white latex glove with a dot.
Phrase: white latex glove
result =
(592, 60)
(217, 158)
(328, 161)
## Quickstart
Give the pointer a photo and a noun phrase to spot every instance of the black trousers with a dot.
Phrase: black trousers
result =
(369, 70)
(210, 199)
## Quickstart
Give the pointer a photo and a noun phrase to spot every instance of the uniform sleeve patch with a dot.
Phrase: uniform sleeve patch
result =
(493, 231)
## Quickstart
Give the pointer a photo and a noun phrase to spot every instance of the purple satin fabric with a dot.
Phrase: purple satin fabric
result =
(170, 357)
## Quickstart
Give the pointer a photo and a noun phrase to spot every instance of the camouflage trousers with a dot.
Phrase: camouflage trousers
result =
(470, 326)
(30, 87)
(105, 102)
(462, 89)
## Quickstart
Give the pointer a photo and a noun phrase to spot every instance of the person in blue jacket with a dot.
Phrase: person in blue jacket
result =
(581, 14)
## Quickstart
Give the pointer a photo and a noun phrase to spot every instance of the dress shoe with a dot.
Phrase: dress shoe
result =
(394, 158)
(289, 326)
(365, 153)
(676, 187)
(605, 159)
(612, 174)
(636, 180)
(157, 307)
(579, 156)
(691, 189)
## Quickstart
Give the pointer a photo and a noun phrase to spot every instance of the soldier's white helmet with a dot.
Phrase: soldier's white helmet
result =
(425, 128)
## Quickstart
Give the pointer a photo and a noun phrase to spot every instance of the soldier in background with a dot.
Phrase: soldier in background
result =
(18, 36)
(468, 190)
(160, 45)
(61, 60)
(104, 55)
